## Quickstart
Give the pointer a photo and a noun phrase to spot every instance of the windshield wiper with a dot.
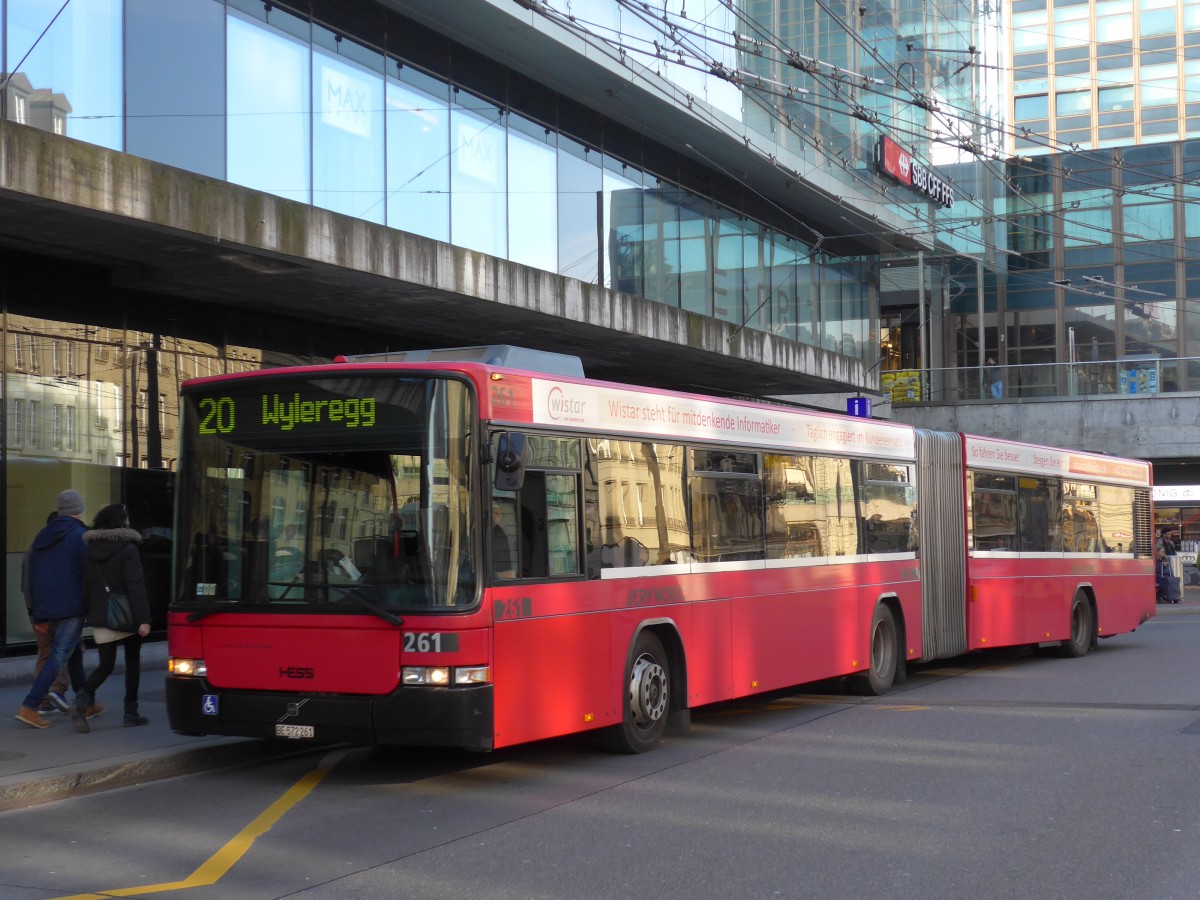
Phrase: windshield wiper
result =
(354, 592)
(207, 611)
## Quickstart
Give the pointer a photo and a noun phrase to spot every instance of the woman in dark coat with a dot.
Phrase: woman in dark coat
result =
(113, 563)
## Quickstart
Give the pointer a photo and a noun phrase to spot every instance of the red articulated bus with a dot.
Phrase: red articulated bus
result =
(481, 547)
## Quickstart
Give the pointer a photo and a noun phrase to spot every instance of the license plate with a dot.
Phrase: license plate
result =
(294, 732)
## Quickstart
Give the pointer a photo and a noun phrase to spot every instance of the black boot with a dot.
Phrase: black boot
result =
(79, 711)
(132, 719)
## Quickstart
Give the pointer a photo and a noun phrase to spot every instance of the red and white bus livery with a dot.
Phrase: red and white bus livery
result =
(436, 549)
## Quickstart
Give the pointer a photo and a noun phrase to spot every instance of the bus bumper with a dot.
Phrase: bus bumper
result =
(410, 716)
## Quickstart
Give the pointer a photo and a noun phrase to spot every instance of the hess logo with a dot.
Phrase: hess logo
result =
(558, 404)
(295, 672)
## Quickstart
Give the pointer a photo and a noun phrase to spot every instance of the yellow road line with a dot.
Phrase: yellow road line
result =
(214, 868)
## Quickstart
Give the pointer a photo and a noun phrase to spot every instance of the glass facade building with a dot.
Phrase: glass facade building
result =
(1095, 204)
(350, 107)
(276, 101)
(1103, 73)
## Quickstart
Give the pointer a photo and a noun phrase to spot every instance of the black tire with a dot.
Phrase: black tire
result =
(1083, 629)
(646, 699)
(885, 656)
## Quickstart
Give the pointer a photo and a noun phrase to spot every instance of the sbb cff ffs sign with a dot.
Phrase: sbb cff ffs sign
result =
(898, 164)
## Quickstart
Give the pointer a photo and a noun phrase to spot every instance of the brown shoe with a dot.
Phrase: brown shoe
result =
(94, 710)
(31, 717)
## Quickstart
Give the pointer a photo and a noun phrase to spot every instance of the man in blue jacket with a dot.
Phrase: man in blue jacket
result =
(57, 559)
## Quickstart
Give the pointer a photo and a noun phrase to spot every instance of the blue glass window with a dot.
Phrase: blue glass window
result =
(1035, 107)
(268, 100)
(622, 227)
(695, 254)
(728, 277)
(175, 83)
(783, 316)
(78, 63)
(579, 179)
(418, 155)
(532, 195)
(348, 128)
(756, 284)
(660, 244)
(478, 176)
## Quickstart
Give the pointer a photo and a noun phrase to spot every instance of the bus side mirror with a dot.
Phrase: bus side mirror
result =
(510, 461)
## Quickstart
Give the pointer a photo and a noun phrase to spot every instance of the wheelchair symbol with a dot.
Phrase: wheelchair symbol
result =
(208, 705)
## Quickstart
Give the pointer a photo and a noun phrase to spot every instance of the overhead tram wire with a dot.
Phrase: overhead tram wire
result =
(621, 52)
(992, 217)
(937, 136)
(761, 85)
(1064, 148)
(33, 46)
(1007, 178)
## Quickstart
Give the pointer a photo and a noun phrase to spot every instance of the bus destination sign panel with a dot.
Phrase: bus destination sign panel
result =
(296, 411)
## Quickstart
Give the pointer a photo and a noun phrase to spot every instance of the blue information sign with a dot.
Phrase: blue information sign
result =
(859, 406)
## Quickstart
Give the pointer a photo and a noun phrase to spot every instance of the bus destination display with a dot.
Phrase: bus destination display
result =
(218, 415)
(295, 411)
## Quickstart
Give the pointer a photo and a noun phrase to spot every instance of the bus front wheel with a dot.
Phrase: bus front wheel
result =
(885, 656)
(1083, 628)
(645, 699)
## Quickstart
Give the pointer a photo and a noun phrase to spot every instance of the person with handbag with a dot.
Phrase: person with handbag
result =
(120, 611)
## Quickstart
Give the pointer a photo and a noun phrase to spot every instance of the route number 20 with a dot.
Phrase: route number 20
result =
(217, 415)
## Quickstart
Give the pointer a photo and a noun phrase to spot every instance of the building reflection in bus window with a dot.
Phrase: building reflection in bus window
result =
(887, 498)
(639, 496)
(810, 506)
(726, 504)
(993, 512)
(1116, 518)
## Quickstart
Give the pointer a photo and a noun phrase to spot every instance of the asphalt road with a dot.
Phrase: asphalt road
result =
(997, 775)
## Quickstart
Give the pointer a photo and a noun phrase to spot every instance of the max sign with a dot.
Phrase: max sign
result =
(897, 163)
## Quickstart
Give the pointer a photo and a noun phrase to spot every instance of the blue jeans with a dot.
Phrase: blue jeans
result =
(997, 390)
(68, 651)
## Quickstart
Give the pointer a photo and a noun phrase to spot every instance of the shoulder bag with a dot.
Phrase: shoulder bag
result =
(120, 614)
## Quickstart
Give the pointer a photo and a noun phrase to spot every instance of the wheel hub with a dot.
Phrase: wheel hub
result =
(647, 692)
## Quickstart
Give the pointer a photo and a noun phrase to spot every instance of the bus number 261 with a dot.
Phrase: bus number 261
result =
(429, 642)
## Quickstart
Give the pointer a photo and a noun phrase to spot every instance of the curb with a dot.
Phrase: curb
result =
(142, 768)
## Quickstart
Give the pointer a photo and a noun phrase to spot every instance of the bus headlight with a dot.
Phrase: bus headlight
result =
(435, 675)
(443, 676)
(187, 668)
(472, 675)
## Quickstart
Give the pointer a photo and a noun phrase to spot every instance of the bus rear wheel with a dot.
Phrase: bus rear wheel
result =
(885, 656)
(646, 699)
(1083, 629)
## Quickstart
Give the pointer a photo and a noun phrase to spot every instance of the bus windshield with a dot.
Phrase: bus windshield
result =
(326, 494)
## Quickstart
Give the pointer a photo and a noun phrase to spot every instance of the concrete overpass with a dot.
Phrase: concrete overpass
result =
(1163, 428)
(81, 224)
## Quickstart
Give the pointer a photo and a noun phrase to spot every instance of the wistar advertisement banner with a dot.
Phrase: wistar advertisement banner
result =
(603, 408)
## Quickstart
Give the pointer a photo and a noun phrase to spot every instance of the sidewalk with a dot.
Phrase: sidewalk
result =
(38, 765)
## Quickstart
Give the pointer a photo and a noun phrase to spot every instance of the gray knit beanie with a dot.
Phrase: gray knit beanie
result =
(70, 503)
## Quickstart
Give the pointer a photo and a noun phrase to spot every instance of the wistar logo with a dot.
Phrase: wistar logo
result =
(561, 406)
